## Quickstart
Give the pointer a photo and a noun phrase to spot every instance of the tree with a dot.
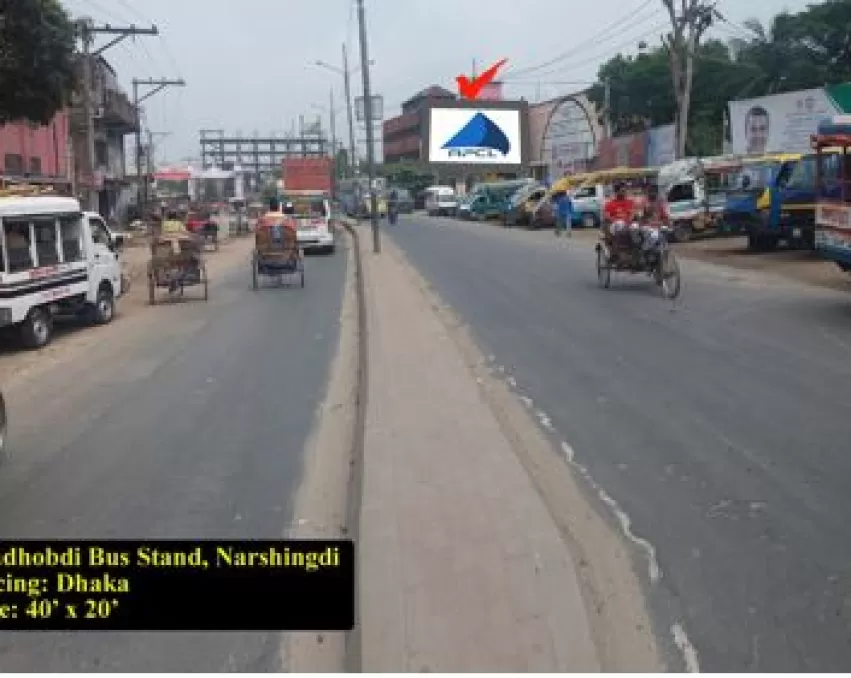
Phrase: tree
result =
(37, 41)
(689, 22)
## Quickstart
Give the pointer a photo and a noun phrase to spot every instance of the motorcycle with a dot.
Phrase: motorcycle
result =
(638, 248)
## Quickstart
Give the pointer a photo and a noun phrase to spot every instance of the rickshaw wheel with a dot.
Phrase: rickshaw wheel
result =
(206, 283)
(255, 264)
(669, 276)
(604, 269)
(152, 288)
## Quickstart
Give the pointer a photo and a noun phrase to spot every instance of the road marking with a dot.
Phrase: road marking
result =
(684, 644)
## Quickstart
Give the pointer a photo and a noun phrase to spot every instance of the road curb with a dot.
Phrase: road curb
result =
(354, 648)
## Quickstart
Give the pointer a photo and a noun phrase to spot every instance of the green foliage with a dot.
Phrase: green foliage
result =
(37, 41)
(797, 51)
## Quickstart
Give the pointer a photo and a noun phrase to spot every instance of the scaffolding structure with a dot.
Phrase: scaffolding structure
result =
(259, 157)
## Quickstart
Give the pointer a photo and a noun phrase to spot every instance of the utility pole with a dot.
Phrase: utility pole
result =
(688, 25)
(607, 106)
(89, 165)
(370, 148)
(87, 32)
(353, 159)
(333, 144)
(158, 85)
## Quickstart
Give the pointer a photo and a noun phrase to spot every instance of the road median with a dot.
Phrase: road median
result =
(462, 564)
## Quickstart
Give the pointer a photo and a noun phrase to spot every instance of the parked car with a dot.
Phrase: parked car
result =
(518, 209)
(59, 261)
(441, 201)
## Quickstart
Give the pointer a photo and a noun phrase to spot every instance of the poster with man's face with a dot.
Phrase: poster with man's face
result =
(782, 123)
(756, 130)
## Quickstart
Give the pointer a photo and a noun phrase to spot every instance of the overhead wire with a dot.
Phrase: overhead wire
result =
(604, 35)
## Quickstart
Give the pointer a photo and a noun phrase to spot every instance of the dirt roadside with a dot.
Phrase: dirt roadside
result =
(801, 266)
(133, 311)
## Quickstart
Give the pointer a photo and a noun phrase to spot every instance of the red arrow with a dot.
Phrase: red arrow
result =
(471, 89)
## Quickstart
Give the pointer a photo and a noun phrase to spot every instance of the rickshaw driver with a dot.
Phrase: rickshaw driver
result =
(276, 217)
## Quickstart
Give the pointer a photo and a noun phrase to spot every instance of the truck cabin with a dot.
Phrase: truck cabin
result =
(832, 146)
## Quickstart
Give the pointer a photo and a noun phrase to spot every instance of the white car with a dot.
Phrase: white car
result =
(315, 226)
(440, 201)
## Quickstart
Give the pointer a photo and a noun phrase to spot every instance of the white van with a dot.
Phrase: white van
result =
(56, 260)
(313, 220)
(441, 200)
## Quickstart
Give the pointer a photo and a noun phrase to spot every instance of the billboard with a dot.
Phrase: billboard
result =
(492, 133)
(660, 146)
(781, 123)
(569, 142)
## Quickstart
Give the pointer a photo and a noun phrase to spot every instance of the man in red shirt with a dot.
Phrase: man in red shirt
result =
(620, 208)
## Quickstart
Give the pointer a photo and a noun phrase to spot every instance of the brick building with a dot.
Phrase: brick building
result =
(403, 135)
(34, 153)
(114, 119)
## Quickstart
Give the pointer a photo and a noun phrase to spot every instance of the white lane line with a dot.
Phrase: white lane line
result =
(625, 522)
(684, 644)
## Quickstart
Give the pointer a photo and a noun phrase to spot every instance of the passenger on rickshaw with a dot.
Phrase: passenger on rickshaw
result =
(172, 225)
(276, 219)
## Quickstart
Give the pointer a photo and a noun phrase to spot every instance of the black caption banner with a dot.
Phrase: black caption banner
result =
(170, 585)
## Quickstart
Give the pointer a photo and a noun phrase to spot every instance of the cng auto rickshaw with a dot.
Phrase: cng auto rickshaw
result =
(832, 145)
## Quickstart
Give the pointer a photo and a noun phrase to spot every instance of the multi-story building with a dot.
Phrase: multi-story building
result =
(35, 153)
(114, 119)
(403, 135)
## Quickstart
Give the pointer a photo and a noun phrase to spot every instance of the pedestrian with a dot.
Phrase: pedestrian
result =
(563, 213)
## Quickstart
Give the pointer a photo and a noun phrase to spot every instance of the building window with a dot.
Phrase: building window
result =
(14, 164)
(18, 245)
(35, 166)
(101, 154)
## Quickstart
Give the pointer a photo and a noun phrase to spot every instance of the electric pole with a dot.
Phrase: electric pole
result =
(688, 25)
(333, 145)
(607, 106)
(158, 85)
(87, 32)
(370, 148)
(353, 160)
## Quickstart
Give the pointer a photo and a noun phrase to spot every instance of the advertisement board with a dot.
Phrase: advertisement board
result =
(569, 142)
(660, 146)
(781, 123)
(477, 133)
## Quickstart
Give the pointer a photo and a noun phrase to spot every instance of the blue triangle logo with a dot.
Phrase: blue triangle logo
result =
(480, 132)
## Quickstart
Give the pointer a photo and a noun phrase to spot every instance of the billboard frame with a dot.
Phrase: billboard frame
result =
(520, 105)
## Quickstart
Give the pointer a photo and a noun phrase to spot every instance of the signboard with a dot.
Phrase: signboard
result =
(781, 123)
(660, 146)
(569, 140)
(377, 108)
(477, 134)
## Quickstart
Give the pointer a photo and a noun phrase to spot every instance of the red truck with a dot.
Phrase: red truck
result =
(307, 174)
(307, 185)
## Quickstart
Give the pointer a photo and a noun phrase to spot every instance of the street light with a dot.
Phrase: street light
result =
(346, 73)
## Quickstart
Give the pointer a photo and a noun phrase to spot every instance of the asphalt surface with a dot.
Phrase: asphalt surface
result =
(721, 426)
(192, 427)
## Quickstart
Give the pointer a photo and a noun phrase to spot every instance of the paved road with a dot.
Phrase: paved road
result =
(721, 428)
(192, 426)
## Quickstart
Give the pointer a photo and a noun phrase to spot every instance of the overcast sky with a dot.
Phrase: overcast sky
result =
(248, 63)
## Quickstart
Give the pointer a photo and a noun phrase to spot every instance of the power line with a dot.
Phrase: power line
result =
(604, 35)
